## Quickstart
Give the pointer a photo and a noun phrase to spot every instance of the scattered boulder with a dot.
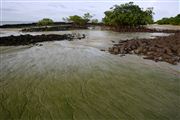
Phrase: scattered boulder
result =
(121, 55)
(165, 48)
(103, 50)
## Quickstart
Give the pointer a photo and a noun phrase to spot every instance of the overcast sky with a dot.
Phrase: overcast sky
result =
(34, 10)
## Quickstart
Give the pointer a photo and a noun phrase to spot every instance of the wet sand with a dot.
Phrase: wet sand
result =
(75, 80)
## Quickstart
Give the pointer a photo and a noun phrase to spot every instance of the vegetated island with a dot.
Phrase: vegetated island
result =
(171, 21)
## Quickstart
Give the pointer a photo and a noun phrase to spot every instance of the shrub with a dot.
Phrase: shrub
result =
(128, 14)
(45, 22)
(172, 20)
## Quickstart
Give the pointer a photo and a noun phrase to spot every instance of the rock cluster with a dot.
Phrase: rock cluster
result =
(53, 28)
(136, 29)
(30, 39)
(159, 49)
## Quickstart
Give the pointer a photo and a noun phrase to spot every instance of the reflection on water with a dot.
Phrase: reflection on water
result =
(75, 80)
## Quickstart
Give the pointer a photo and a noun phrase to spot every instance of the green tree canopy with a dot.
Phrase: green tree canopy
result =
(94, 21)
(78, 19)
(87, 17)
(172, 20)
(128, 14)
(45, 22)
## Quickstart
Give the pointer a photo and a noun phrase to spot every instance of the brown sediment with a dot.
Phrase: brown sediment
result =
(30, 39)
(165, 49)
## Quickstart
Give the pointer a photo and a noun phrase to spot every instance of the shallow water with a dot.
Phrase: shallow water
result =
(164, 27)
(75, 80)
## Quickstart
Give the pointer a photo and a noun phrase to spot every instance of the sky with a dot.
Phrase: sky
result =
(34, 10)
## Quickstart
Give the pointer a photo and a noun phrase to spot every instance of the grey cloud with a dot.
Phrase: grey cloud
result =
(36, 10)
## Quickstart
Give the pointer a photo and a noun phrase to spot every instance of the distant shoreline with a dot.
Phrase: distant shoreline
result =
(15, 22)
(28, 24)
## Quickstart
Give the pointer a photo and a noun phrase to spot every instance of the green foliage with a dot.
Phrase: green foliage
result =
(94, 21)
(65, 19)
(128, 14)
(78, 20)
(172, 20)
(45, 22)
(87, 17)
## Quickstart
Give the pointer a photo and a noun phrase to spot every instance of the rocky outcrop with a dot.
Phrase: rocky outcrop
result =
(53, 28)
(30, 39)
(136, 29)
(159, 49)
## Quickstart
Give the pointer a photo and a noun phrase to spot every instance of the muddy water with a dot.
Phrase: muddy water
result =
(75, 80)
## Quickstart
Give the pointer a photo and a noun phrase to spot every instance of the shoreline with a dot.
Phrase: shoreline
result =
(29, 25)
(53, 28)
(34, 24)
(61, 26)
(147, 28)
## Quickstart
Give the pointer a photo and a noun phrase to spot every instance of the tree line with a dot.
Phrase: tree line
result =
(76, 19)
(127, 14)
(172, 20)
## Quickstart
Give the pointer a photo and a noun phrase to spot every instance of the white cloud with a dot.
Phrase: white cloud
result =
(31, 10)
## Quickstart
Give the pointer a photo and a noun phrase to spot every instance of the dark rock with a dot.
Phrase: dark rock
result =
(30, 39)
(121, 55)
(40, 44)
(110, 50)
(53, 28)
(149, 57)
(116, 50)
(165, 48)
(102, 50)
